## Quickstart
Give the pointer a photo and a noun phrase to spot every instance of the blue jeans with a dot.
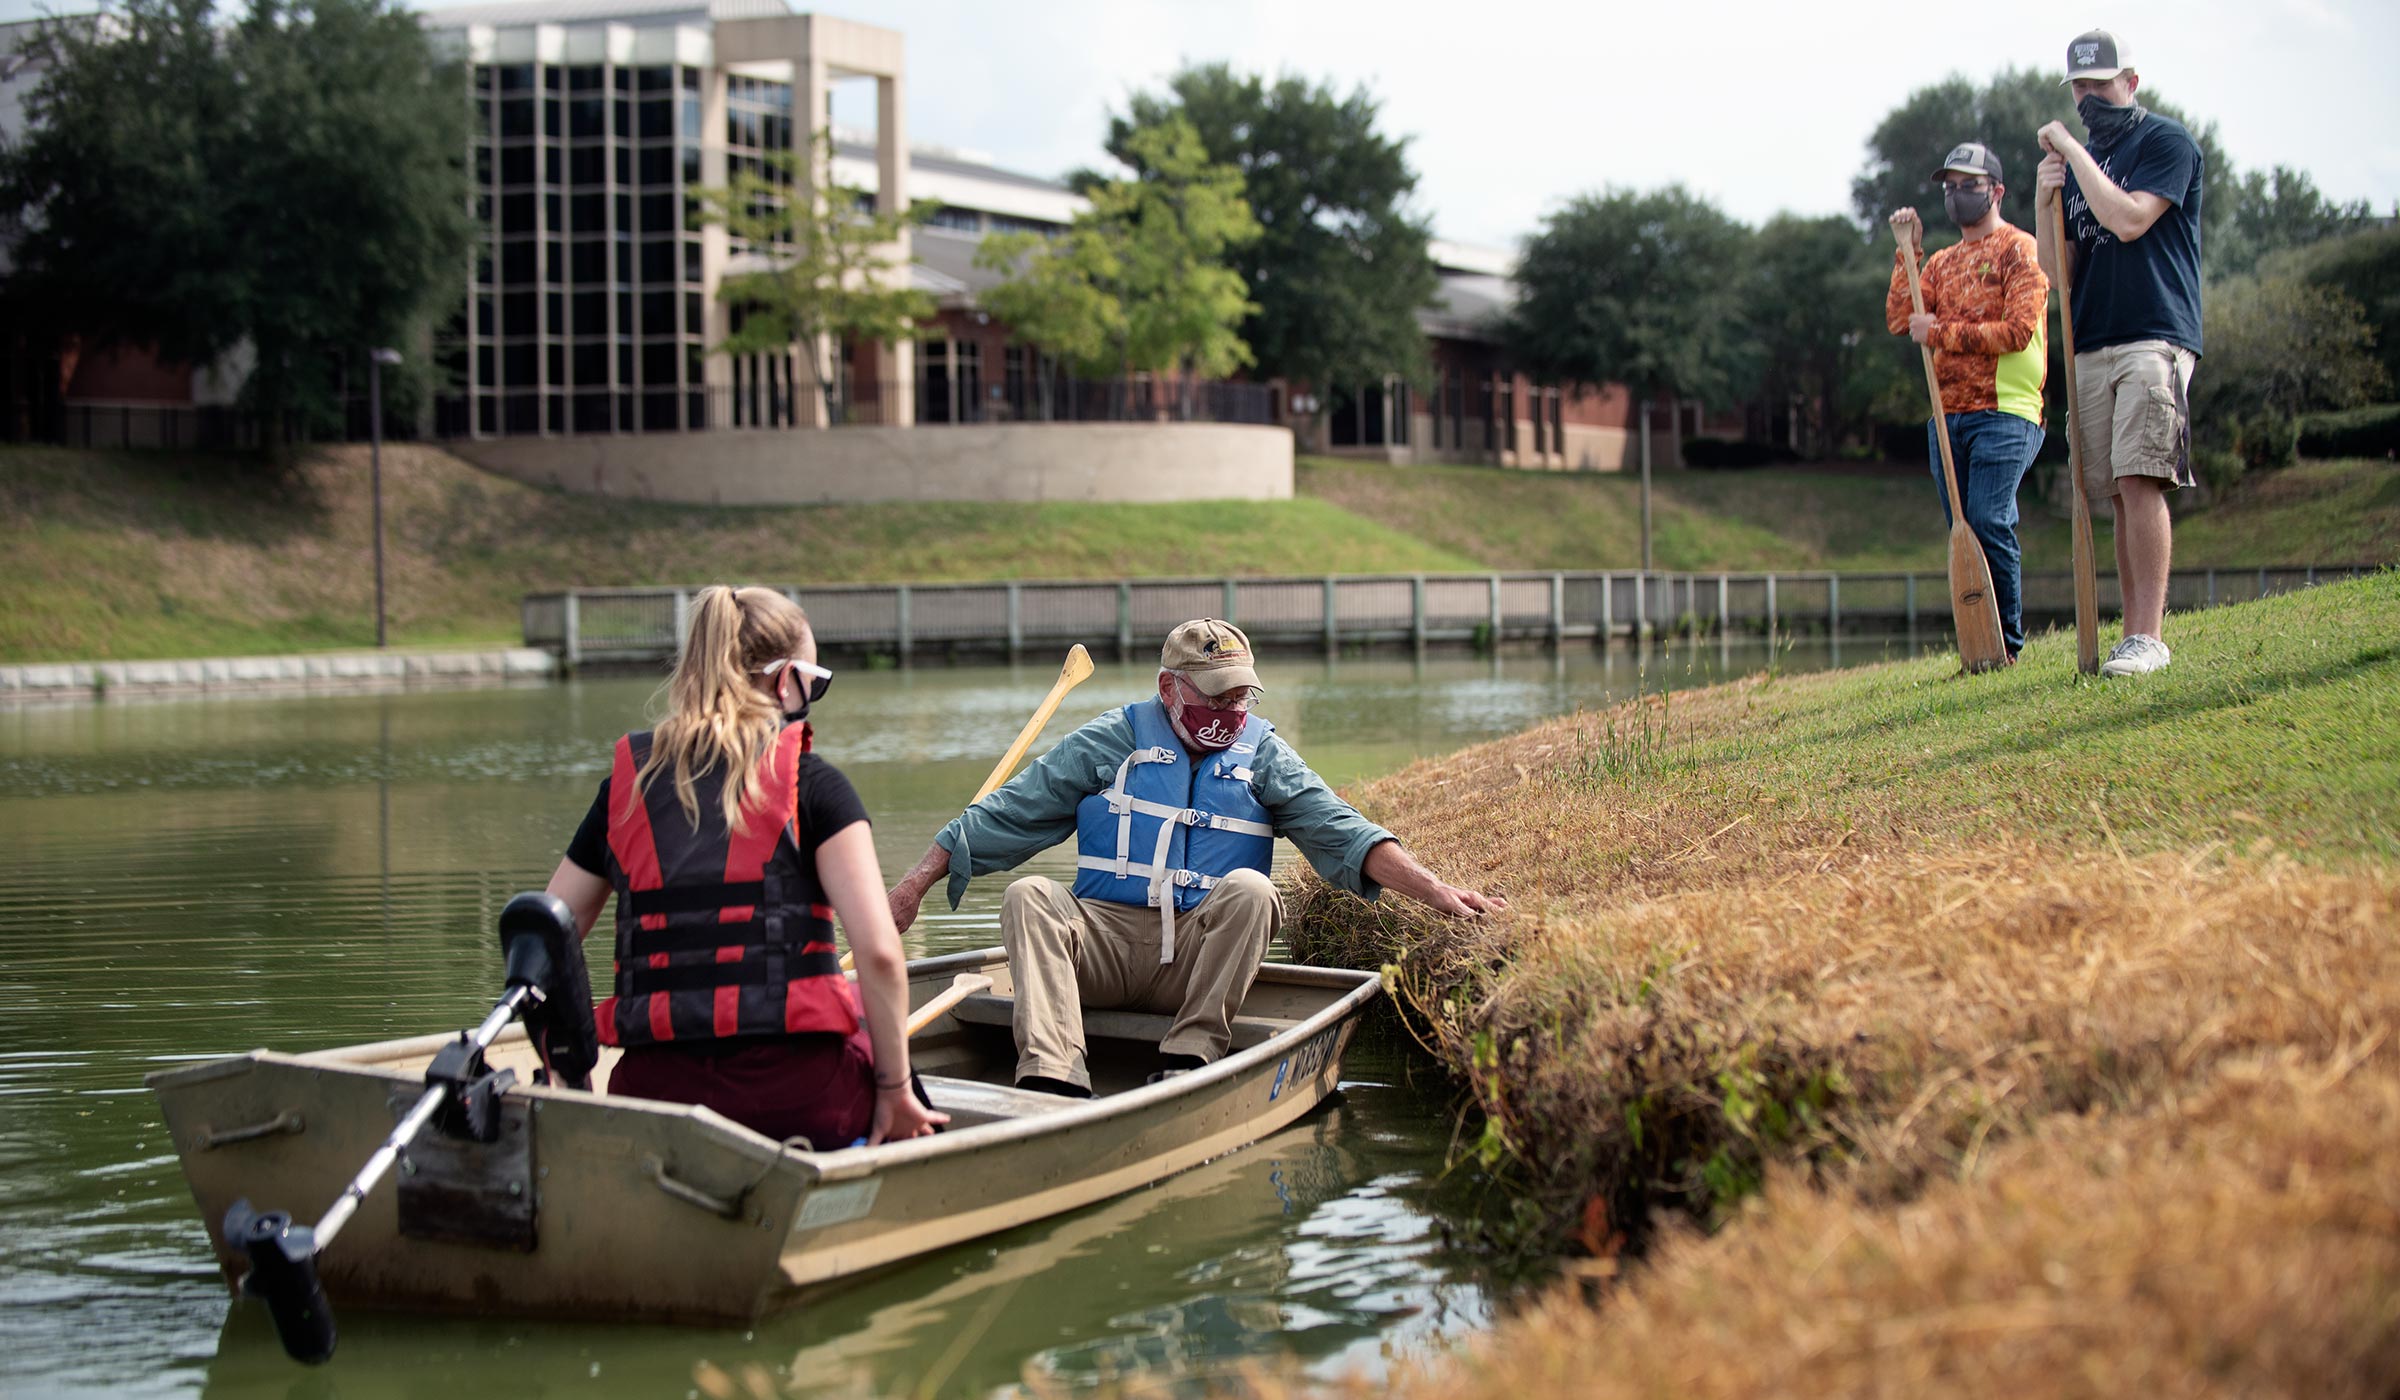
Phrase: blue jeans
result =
(1992, 450)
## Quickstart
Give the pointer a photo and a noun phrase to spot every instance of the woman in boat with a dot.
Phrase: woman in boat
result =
(724, 840)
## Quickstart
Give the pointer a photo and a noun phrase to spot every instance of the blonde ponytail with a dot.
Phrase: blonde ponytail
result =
(717, 717)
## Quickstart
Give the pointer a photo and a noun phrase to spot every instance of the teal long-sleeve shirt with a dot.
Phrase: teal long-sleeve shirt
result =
(1035, 810)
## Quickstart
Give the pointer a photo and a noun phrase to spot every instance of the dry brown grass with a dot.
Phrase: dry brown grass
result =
(1902, 1060)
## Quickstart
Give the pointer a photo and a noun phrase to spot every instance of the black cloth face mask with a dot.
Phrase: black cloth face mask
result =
(2106, 121)
(1966, 207)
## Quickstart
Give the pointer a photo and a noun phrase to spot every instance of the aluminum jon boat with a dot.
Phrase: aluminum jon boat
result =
(595, 1207)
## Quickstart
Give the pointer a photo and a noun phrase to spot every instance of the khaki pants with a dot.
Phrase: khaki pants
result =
(1068, 953)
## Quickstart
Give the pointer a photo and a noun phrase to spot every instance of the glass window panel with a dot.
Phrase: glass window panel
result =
(658, 165)
(625, 315)
(658, 313)
(557, 357)
(622, 127)
(587, 118)
(554, 261)
(516, 314)
(517, 262)
(591, 310)
(516, 77)
(516, 117)
(588, 165)
(588, 213)
(691, 117)
(658, 120)
(624, 216)
(591, 413)
(691, 260)
(591, 364)
(483, 165)
(554, 212)
(556, 412)
(522, 413)
(654, 79)
(622, 79)
(591, 264)
(486, 359)
(487, 414)
(624, 156)
(691, 79)
(483, 264)
(519, 363)
(554, 165)
(551, 125)
(625, 360)
(556, 319)
(694, 371)
(691, 165)
(658, 260)
(551, 78)
(486, 320)
(658, 413)
(658, 363)
(659, 214)
(483, 209)
(624, 262)
(516, 165)
(583, 79)
(695, 320)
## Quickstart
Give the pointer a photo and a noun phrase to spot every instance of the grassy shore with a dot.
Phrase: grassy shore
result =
(2005, 1035)
(120, 555)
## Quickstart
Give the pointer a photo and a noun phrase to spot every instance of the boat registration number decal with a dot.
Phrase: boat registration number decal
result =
(1301, 1065)
(843, 1201)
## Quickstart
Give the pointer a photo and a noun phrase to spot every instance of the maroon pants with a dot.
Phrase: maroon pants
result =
(820, 1087)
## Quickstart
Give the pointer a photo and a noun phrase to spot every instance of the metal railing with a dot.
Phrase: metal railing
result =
(1332, 612)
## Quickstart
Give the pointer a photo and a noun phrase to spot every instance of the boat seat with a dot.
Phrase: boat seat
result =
(990, 1010)
(982, 1102)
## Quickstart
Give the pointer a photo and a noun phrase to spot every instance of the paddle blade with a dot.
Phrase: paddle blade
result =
(1974, 613)
(1078, 668)
(2087, 586)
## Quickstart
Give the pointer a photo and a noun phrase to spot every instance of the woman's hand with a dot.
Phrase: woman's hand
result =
(899, 1115)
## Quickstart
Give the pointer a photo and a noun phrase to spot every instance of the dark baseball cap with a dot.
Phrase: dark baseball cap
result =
(2096, 54)
(1970, 158)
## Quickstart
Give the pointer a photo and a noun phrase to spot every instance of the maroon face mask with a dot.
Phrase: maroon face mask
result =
(1210, 729)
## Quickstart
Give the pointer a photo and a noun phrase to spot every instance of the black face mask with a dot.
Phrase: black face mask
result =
(1967, 207)
(2105, 121)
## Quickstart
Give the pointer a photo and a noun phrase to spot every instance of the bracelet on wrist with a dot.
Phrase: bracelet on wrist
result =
(900, 1083)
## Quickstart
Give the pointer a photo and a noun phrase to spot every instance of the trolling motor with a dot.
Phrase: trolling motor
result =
(549, 988)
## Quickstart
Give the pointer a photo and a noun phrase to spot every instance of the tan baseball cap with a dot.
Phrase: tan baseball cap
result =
(1212, 653)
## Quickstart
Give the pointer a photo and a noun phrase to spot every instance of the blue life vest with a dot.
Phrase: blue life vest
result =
(1171, 825)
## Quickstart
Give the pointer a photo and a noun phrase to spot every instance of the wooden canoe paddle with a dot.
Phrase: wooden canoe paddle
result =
(1974, 613)
(2087, 583)
(1077, 670)
(965, 985)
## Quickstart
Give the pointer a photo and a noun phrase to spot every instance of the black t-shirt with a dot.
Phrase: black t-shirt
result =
(828, 804)
(2148, 289)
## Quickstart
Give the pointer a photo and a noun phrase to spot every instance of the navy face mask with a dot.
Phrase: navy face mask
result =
(2106, 122)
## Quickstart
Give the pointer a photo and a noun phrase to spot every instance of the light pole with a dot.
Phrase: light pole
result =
(1645, 484)
(376, 360)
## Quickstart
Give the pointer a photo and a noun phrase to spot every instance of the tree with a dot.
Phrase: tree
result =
(2364, 265)
(2277, 348)
(295, 184)
(2271, 210)
(821, 266)
(1812, 301)
(1641, 289)
(1140, 279)
(1340, 267)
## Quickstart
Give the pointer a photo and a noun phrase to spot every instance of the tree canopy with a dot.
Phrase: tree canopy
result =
(1340, 266)
(294, 183)
(1644, 289)
(819, 264)
(1812, 301)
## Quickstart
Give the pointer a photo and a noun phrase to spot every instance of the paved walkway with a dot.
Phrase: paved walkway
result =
(307, 672)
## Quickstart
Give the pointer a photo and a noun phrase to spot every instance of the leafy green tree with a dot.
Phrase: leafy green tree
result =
(821, 265)
(1640, 289)
(295, 184)
(2278, 347)
(1340, 267)
(1812, 303)
(2363, 265)
(1140, 279)
(2271, 210)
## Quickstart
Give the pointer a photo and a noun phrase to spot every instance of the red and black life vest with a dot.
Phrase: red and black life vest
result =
(719, 934)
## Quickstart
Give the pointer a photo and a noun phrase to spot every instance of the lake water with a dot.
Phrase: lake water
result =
(185, 879)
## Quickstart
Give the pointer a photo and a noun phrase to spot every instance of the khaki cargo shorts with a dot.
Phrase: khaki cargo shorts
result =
(2136, 400)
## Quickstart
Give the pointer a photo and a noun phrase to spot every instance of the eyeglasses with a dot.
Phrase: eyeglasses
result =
(1976, 185)
(820, 680)
(1241, 701)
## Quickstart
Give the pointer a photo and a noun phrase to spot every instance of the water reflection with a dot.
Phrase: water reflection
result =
(185, 879)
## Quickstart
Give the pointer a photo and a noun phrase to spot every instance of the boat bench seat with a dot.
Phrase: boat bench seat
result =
(981, 1102)
(990, 1010)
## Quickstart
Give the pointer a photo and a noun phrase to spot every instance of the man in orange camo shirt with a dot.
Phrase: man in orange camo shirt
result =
(1986, 316)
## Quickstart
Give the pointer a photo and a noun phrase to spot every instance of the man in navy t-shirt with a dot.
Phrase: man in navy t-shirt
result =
(2132, 197)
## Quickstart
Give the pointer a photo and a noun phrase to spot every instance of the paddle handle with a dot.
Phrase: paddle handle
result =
(1933, 386)
(2087, 582)
(965, 985)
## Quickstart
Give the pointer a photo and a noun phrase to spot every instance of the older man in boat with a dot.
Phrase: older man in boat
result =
(1174, 803)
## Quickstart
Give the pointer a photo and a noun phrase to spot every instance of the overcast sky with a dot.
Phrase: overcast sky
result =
(1764, 105)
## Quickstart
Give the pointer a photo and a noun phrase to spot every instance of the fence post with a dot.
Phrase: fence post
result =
(1641, 605)
(1723, 624)
(1911, 605)
(1558, 609)
(1416, 611)
(1608, 609)
(1771, 618)
(1228, 614)
(1016, 621)
(2262, 584)
(570, 613)
(2212, 588)
(1833, 605)
(1332, 626)
(2312, 575)
(1495, 612)
(683, 621)
(1124, 620)
(907, 642)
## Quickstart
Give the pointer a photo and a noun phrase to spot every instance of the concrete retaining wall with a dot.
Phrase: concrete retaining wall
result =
(1121, 462)
(321, 671)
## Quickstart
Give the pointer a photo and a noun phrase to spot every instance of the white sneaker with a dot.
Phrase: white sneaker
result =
(2137, 655)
